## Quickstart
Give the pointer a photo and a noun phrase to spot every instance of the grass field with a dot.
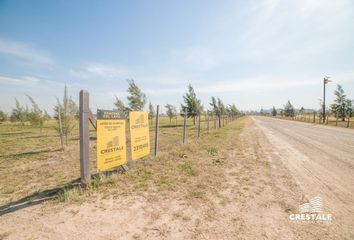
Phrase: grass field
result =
(31, 162)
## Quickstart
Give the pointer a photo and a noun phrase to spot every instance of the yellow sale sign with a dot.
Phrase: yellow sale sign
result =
(139, 134)
(111, 146)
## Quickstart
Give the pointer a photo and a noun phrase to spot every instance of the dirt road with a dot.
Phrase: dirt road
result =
(242, 182)
(320, 159)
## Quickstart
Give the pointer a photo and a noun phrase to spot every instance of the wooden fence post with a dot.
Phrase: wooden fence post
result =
(336, 119)
(157, 129)
(60, 128)
(84, 111)
(348, 121)
(184, 126)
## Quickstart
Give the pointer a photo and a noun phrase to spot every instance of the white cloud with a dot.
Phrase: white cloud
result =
(99, 70)
(24, 52)
(23, 81)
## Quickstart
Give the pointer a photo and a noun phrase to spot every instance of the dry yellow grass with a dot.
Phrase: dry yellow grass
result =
(32, 162)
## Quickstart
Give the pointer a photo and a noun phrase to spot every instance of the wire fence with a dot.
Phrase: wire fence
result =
(315, 118)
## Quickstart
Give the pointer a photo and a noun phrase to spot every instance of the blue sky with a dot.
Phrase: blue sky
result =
(251, 53)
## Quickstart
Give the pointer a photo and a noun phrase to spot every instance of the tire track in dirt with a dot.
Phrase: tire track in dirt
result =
(319, 166)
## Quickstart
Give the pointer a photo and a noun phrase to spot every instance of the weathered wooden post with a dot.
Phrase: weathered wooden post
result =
(84, 112)
(60, 128)
(348, 121)
(157, 129)
(184, 126)
(336, 119)
(199, 126)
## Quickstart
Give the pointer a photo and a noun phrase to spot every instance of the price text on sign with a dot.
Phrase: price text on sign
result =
(111, 140)
(139, 133)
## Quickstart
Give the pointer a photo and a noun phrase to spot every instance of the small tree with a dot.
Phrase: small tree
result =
(19, 113)
(151, 111)
(301, 111)
(120, 106)
(216, 108)
(233, 110)
(341, 105)
(136, 98)
(191, 104)
(36, 116)
(171, 111)
(68, 114)
(274, 112)
(3, 116)
(289, 110)
(349, 108)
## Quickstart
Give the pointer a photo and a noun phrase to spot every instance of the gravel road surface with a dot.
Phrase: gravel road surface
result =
(320, 159)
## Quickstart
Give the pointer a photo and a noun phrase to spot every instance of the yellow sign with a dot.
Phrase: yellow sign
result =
(111, 147)
(139, 134)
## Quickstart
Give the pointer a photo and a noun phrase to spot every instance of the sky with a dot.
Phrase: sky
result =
(257, 53)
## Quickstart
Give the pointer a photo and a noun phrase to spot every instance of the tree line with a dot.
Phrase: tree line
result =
(341, 108)
(66, 110)
(191, 106)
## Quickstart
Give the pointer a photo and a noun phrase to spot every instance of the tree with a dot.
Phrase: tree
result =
(233, 110)
(341, 106)
(289, 110)
(301, 111)
(171, 111)
(274, 112)
(19, 113)
(68, 114)
(262, 111)
(3, 116)
(349, 108)
(36, 116)
(121, 107)
(218, 108)
(151, 111)
(136, 98)
(191, 104)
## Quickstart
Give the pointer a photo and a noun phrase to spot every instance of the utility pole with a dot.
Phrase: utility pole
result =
(325, 81)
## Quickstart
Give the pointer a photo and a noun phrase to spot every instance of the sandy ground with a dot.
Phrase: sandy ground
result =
(320, 159)
(270, 168)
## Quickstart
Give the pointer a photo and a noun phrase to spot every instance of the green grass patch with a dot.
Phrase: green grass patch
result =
(187, 168)
(69, 195)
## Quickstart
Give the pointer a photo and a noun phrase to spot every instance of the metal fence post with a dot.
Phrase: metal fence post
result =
(84, 111)
(157, 129)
